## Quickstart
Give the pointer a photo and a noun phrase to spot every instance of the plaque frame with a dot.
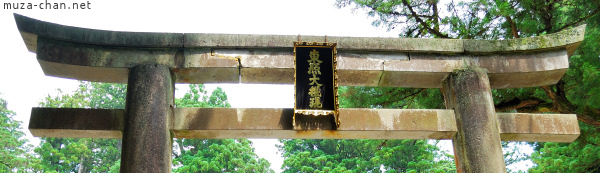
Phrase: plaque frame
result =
(317, 112)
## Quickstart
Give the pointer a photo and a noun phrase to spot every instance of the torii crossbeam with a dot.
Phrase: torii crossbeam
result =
(151, 63)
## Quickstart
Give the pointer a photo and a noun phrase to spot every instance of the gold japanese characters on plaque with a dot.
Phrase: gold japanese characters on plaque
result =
(315, 79)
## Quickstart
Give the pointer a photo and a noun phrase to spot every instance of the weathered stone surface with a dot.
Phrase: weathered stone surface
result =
(569, 38)
(36, 28)
(521, 62)
(417, 120)
(361, 69)
(146, 136)
(202, 66)
(412, 79)
(519, 70)
(194, 58)
(76, 123)
(538, 127)
(30, 40)
(262, 58)
(427, 62)
(101, 56)
(232, 119)
(139, 39)
(364, 61)
(212, 58)
(359, 78)
(265, 66)
(96, 63)
(207, 75)
(107, 56)
(95, 74)
(215, 123)
(477, 144)
(276, 123)
(343, 43)
(525, 79)
(238, 40)
(267, 75)
(312, 123)
(515, 70)
(418, 71)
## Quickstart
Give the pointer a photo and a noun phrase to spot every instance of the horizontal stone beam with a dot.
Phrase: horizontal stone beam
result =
(77, 123)
(218, 123)
(415, 70)
(106, 56)
(538, 127)
(277, 123)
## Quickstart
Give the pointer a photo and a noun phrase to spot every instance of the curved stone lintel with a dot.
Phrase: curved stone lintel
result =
(87, 54)
(568, 39)
(32, 28)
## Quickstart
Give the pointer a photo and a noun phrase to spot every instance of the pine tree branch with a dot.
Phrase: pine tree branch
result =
(562, 105)
(513, 27)
(559, 104)
(8, 166)
(435, 16)
(580, 20)
(383, 144)
(586, 118)
(412, 99)
(516, 104)
(413, 94)
(559, 100)
(486, 27)
(423, 23)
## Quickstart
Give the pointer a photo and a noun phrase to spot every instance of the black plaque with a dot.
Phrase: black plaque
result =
(315, 79)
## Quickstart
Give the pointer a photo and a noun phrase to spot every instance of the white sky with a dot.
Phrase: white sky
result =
(23, 84)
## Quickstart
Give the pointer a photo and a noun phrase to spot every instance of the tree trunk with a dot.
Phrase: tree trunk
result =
(81, 165)
(180, 144)
(513, 27)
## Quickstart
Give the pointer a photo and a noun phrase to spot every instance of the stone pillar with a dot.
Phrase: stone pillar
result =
(477, 146)
(146, 136)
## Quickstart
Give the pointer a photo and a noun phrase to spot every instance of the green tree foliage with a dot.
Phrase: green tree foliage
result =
(582, 155)
(328, 155)
(577, 92)
(103, 155)
(224, 155)
(214, 155)
(13, 148)
(389, 97)
(83, 154)
(197, 97)
(360, 155)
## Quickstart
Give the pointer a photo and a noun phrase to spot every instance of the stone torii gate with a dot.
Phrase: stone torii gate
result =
(151, 63)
